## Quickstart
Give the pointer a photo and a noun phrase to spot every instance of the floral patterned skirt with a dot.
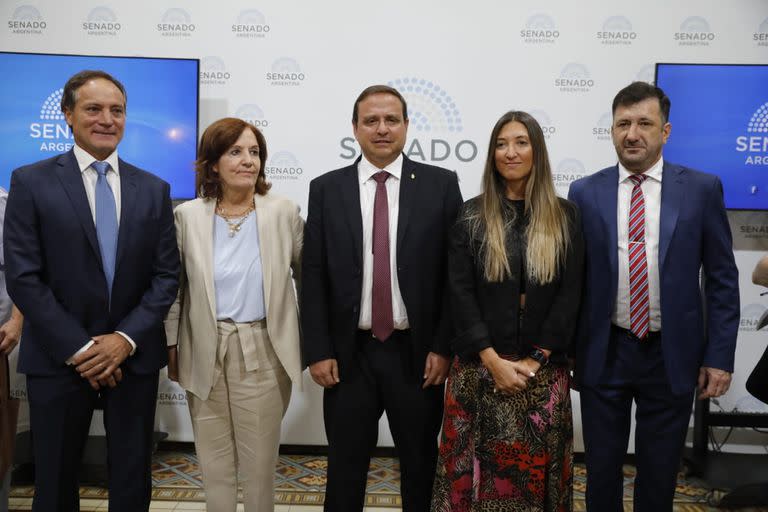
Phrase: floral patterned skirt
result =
(505, 452)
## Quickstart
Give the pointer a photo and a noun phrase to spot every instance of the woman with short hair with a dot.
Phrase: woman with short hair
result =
(235, 321)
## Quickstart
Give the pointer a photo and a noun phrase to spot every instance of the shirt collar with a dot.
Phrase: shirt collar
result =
(366, 170)
(85, 159)
(654, 172)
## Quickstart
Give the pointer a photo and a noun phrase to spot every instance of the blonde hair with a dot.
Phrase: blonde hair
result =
(547, 233)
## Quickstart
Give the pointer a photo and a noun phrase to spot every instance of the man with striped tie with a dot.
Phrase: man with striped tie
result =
(92, 262)
(650, 227)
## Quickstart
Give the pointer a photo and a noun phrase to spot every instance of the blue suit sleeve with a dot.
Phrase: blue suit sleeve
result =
(161, 293)
(63, 334)
(721, 283)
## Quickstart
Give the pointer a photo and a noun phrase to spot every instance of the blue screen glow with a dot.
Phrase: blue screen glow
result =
(161, 122)
(719, 122)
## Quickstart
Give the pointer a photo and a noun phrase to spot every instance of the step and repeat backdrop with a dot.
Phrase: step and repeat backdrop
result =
(294, 69)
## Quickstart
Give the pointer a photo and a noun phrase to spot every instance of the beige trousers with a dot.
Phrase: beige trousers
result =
(238, 426)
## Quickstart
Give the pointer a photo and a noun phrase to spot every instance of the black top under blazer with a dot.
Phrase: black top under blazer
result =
(486, 314)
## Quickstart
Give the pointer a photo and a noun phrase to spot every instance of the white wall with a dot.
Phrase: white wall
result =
(487, 57)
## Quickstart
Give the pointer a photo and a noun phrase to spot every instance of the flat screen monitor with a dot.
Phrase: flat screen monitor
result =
(161, 117)
(719, 122)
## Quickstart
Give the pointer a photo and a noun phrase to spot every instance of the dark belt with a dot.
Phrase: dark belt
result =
(620, 331)
(367, 334)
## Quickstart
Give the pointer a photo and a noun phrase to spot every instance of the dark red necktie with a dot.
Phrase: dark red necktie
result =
(639, 300)
(381, 307)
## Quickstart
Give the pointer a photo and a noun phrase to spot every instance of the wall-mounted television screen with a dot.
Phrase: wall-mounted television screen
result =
(161, 117)
(719, 122)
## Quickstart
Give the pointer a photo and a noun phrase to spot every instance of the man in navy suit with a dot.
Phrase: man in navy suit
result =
(374, 304)
(649, 331)
(92, 263)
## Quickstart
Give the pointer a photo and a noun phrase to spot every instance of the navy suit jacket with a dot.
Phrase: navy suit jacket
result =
(694, 235)
(332, 262)
(54, 269)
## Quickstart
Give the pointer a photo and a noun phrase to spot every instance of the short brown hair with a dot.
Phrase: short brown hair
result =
(76, 81)
(640, 91)
(379, 89)
(216, 140)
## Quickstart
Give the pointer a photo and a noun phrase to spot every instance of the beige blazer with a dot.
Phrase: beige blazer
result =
(191, 321)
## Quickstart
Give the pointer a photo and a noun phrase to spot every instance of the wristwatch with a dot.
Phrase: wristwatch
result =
(539, 356)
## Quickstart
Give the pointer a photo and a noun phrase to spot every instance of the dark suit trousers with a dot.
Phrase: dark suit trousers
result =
(60, 410)
(383, 379)
(634, 370)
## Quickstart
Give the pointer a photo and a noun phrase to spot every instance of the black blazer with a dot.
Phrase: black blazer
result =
(332, 261)
(54, 270)
(486, 314)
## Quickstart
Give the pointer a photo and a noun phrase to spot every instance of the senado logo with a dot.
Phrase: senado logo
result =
(253, 114)
(250, 24)
(574, 78)
(617, 30)
(176, 23)
(286, 72)
(760, 37)
(101, 22)
(755, 146)
(647, 74)
(694, 31)
(430, 107)
(213, 71)
(540, 29)
(602, 129)
(19, 393)
(547, 126)
(568, 171)
(284, 165)
(435, 118)
(750, 315)
(51, 129)
(169, 393)
(27, 20)
(753, 230)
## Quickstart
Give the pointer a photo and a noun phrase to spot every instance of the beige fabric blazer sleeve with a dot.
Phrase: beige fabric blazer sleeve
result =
(191, 322)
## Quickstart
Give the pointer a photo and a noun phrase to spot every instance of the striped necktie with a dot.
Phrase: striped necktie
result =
(639, 300)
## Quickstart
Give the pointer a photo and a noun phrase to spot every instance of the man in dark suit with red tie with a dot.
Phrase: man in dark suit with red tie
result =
(374, 303)
(92, 263)
(650, 227)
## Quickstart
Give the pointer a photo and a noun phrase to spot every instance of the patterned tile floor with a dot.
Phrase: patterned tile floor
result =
(300, 480)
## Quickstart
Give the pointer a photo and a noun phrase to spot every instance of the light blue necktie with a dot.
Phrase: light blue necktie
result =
(106, 221)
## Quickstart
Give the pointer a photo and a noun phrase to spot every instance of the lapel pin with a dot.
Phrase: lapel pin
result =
(413, 176)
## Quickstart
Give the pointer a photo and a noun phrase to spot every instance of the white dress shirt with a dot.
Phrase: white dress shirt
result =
(652, 194)
(89, 174)
(365, 172)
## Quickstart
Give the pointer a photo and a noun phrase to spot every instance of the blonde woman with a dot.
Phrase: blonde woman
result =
(234, 328)
(515, 273)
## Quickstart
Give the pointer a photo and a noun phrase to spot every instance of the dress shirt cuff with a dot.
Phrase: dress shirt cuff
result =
(71, 360)
(129, 340)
